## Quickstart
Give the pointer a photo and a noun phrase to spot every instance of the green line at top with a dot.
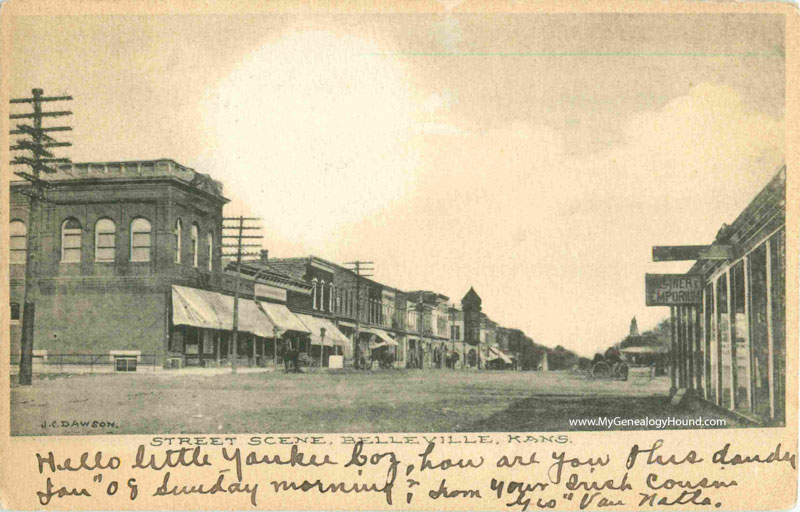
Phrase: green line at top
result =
(569, 54)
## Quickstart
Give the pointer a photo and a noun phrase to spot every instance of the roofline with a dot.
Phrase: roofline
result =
(123, 179)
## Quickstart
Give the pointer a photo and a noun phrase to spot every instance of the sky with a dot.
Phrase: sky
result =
(537, 158)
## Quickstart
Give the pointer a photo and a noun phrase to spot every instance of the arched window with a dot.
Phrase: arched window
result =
(330, 298)
(210, 242)
(314, 293)
(322, 295)
(105, 234)
(178, 229)
(19, 241)
(71, 240)
(140, 239)
(194, 254)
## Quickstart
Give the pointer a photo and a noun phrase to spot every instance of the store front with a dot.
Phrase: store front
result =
(201, 330)
(729, 339)
(322, 341)
(745, 332)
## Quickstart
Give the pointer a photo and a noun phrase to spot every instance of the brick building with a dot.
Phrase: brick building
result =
(115, 237)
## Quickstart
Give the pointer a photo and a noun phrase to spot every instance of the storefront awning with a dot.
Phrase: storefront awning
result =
(212, 310)
(378, 338)
(283, 318)
(201, 308)
(495, 353)
(253, 319)
(333, 336)
(383, 336)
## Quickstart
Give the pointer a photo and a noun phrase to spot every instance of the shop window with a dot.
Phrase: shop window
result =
(141, 233)
(178, 233)
(193, 255)
(191, 344)
(105, 234)
(18, 243)
(71, 241)
(208, 342)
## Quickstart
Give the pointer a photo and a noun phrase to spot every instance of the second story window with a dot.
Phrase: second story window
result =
(15, 313)
(177, 234)
(210, 249)
(71, 241)
(193, 255)
(314, 293)
(140, 239)
(18, 243)
(105, 234)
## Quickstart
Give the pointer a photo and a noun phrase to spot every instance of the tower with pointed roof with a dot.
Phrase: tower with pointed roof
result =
(634, 331)
(471, 304)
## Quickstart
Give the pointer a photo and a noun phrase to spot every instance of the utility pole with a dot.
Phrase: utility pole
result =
(36, 141)
(238, 228)
(365, 269)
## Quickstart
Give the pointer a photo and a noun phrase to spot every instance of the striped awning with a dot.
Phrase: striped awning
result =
(283, 318)
(333, 336)
(381, 335)
(496, 353)
(212, 310)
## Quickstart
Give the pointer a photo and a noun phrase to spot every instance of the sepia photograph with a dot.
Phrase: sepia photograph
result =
(298, 222)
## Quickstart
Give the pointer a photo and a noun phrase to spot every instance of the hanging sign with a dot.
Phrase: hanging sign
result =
(673, 289)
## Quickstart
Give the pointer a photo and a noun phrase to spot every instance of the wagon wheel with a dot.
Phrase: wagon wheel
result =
(601, 370)
(621, 371)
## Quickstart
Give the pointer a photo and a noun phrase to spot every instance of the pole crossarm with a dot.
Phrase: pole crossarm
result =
(22, 160)
(40, 98)
(28, 130)
(32, 146)
(43, 114)
(37, 150)
(33, 179)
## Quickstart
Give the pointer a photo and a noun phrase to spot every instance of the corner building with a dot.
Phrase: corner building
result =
(114, 238)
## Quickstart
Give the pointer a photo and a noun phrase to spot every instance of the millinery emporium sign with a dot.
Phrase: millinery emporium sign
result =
(673, 289)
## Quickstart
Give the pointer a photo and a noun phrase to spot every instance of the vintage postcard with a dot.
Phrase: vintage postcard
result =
(443, 255)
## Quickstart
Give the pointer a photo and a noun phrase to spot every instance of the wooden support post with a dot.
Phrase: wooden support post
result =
(674, 351)
(731, 340)
(700, 353)
(770, 343)
(689, 347)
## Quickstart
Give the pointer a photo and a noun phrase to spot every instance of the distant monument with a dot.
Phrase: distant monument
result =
(634, 327)
(471, 304)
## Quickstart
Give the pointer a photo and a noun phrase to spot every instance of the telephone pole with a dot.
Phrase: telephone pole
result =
(236, 232)
(36, 141)
(365, 269)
